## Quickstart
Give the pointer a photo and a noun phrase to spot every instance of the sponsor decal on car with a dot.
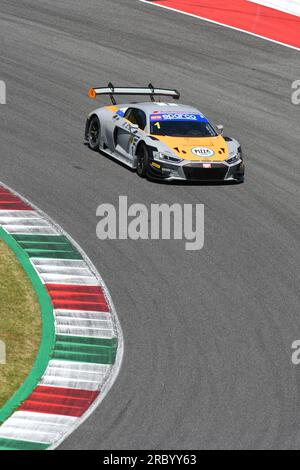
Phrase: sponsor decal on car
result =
(177, 117)
(203, 152)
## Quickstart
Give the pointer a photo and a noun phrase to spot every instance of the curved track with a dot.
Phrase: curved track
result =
(207, 334)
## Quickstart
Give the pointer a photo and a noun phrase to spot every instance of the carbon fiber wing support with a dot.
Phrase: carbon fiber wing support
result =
(150, 91)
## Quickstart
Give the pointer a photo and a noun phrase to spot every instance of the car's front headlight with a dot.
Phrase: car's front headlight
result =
(235, 157)
(166, 157)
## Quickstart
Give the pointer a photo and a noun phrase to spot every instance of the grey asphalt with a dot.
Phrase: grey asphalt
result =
(207, 334)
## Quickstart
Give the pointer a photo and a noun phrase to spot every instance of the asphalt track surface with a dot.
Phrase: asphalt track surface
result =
(207, 334)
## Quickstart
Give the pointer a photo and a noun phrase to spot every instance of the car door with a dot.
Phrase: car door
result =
(126, 133)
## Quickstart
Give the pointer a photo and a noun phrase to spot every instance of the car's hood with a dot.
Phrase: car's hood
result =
(197, 149)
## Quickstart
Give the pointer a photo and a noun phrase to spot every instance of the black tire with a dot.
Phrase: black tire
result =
(93, 134)
(142, 161)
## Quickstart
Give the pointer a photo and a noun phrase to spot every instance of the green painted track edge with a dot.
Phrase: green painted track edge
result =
(47, 334)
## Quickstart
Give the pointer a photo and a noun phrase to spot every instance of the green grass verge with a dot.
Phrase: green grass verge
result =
(20, 323)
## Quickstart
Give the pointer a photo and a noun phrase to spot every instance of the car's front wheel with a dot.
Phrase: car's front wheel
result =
(142, 161)
(93, 135)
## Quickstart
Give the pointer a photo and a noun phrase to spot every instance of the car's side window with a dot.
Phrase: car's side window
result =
(141, 119)
(129, 115)
(136, 116)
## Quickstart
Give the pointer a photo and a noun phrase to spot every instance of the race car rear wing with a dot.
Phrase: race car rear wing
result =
(150, 91)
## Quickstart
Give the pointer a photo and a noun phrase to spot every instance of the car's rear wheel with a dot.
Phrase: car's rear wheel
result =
(94, 133)
(142, 161)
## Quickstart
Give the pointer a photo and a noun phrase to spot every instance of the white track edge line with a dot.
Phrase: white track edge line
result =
(221, 24)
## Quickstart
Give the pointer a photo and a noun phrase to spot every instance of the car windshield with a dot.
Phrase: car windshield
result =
(190, 126)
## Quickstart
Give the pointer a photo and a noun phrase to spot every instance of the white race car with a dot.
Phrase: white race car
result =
(166, 141)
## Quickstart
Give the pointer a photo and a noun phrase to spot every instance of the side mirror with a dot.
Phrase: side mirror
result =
(220, 129)
(134, 127)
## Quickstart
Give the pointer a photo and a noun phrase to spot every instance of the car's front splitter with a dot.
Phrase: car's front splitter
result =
(199, 171)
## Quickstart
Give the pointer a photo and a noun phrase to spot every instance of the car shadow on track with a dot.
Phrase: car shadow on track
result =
(195, 183)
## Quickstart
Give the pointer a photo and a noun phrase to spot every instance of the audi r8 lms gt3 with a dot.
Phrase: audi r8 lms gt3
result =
(166, 141)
